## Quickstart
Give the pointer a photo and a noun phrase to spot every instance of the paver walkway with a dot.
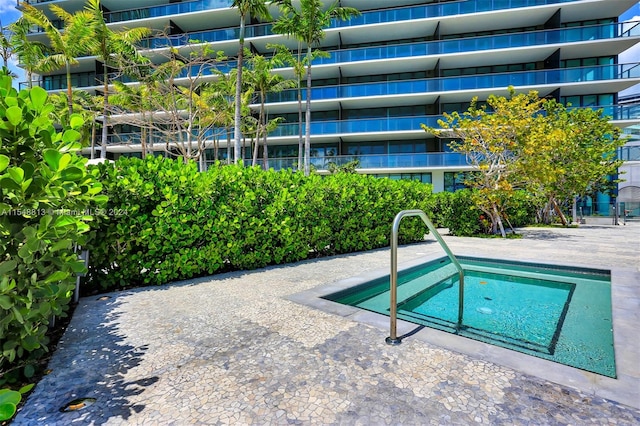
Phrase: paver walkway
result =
(235, 349)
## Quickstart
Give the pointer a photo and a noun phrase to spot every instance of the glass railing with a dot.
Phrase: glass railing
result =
(622, 112)
(440, 9)
(474, 44)
(461, 45)
(629, 153)
(403, 87)
(367, 125)
(367, 17)
(471, 82)
(381, 161)
(208, 36)
(392, 124)
(166, 10)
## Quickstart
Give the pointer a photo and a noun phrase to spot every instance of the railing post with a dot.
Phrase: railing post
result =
(393, 338)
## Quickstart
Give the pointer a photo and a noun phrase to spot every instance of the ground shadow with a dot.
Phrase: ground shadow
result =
(91, 361)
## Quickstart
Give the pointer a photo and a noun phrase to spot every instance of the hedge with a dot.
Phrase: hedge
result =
(167, 221)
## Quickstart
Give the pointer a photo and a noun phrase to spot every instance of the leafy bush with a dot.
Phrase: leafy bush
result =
(521, 208)
(166, 221)
(9, 400)
(46, 198)
(458, 212)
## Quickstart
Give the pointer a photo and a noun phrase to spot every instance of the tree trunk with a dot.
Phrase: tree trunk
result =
(143, 141)
(265, 148)
(260, 119)
(93, 140)
(105, 76)
(307, 124)
(556, 207)
(69, 91)
(238, 106)
(300, 143)
(228, 146)
(498, 220)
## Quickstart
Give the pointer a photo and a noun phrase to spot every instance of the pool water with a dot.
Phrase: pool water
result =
(553, 312)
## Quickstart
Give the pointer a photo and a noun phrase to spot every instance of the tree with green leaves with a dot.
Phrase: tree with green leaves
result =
(222, 90)
(525, 142)
(246, 9)
(29, 52)
(264, 81)
(6, 50)
(112, 46)
(76, 39)
(491, 136)
(85, 105)
(175, 102)
(298, 63)
(569, 153)
(307, 24)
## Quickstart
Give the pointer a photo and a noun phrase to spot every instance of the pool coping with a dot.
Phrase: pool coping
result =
(625, 298)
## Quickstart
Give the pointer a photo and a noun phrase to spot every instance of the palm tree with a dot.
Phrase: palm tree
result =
(76, 39)
(29, 52)
(246, 8)
(5, 46)
(307, 25)
(110, 47)
(264, 81)
(225, 87)
(299, 69)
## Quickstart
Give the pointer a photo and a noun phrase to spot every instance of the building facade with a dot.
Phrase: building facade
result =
(400, 64)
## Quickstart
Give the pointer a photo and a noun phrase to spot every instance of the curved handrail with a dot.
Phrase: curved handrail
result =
(393, 338)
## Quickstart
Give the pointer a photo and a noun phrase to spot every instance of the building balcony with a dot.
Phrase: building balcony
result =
(459, 45)
(341, 129)
(431, 10)
(629, 153)
(380, 163)
(435, 87)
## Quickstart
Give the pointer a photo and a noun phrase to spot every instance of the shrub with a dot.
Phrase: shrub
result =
(46, 202)
(521, 208)
(167, 221)
(458, 212)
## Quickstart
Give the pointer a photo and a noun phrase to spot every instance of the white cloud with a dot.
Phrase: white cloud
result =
(7, 5)
(8, 11)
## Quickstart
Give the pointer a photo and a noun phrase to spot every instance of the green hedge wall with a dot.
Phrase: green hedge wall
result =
(166, 221)
(458, 212)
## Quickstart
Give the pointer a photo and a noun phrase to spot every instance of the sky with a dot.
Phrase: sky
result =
(9, 13)
(633, 54)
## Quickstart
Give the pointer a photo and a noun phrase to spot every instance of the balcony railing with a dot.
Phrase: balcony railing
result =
(368, 125)
(470, 82)
(460, 45)
(366, 18)
(629, 153)
(368, 162)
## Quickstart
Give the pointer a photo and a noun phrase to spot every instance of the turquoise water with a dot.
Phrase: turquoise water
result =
(552, 312)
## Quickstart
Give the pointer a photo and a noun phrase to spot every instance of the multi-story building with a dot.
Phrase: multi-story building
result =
(403, 63)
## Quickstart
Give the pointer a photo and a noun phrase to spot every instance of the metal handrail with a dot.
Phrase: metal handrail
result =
(393, 338)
